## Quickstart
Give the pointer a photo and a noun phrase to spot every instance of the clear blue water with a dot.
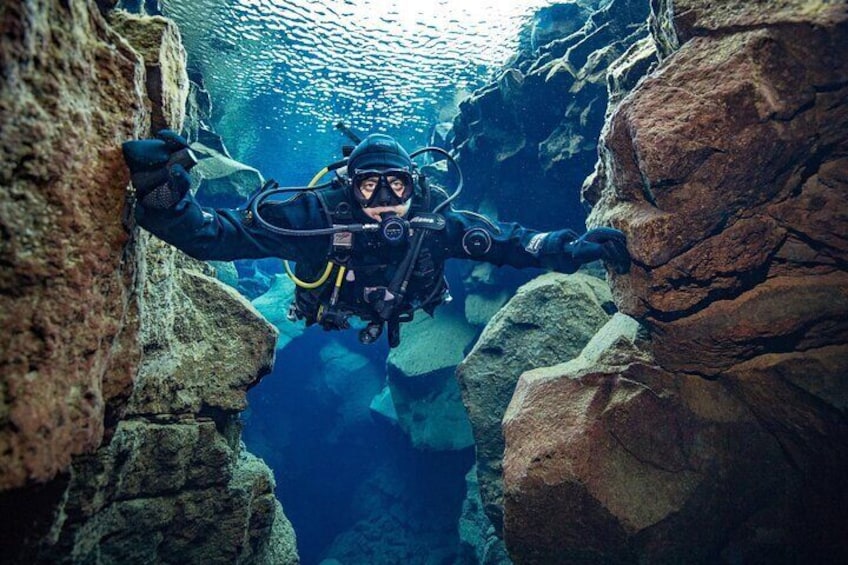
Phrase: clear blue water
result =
(281, 74)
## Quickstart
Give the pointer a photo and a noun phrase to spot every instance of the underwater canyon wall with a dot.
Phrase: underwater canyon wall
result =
(707, 422)
(526, 142)
(124, 365)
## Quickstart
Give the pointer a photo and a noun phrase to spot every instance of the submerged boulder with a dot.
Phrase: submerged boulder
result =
(628, 457)
(383, 407)
(164, 490)
(548, 321)
(274, 306)
(354, 380)
(224, 182)
(421, 379)
(204, 343)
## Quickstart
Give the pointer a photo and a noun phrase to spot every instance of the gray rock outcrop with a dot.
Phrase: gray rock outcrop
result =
(174, 482)
(421, 380)
(479, 542)
(158, 42)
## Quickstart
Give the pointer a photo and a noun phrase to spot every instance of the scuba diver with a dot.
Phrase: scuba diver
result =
(371, 243)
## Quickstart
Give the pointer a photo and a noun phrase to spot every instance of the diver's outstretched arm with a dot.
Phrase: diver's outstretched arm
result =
(166, 208)
(512, 244)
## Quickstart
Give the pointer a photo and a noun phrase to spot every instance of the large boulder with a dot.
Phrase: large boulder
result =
(722, 436)
(204, 344)
(612, 459)
(548, 321)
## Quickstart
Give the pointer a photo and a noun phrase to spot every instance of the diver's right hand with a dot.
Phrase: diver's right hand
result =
(166, 195)
(159, 168)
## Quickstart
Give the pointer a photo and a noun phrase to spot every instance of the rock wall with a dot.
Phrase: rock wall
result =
(527, 141)
(70, 95)
(719, 433)
(174, 483)
(120, 383)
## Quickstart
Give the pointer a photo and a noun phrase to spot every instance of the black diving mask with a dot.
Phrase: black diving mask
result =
(386, 187)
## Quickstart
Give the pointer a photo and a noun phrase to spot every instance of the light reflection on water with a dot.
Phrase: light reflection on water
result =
(375, 63)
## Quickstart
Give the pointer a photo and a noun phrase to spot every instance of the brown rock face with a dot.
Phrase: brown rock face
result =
(611, 459)
(727, 169)
(68, 333)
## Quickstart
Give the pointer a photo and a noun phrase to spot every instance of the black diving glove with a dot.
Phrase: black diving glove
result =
(159, 168)
(565, 251)
(607, 244)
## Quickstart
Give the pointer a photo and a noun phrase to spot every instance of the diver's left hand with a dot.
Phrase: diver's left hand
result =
(608, 244)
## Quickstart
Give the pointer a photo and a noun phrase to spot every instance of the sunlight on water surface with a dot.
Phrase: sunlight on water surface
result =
(377, 63)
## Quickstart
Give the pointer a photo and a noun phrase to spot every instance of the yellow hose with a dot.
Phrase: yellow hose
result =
(340, 276)
(323, 278)
(309, 285)
(317, 177)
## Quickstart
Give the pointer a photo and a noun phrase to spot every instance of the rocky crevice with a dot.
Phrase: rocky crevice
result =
(527, 141)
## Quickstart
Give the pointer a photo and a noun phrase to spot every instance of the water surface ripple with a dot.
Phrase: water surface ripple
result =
(379, 64)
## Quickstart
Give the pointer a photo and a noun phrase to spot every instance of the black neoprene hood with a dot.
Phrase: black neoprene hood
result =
(378, 152)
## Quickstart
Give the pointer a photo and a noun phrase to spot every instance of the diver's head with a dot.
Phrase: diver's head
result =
(380, 171)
